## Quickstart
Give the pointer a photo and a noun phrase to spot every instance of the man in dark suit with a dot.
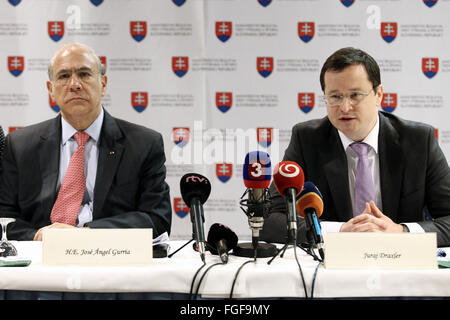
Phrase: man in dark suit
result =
(408, 170)
(124, 169)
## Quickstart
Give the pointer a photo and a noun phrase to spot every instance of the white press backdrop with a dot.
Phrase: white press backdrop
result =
(219, 78)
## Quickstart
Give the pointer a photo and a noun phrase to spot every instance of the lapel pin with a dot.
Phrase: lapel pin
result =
(111, 153)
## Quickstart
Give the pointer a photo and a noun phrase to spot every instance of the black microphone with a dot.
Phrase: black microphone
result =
(310, 207)
(195, 190)
(221, 239)
(288, 178)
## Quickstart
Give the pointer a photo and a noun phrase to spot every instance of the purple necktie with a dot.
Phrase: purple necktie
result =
(364, 188)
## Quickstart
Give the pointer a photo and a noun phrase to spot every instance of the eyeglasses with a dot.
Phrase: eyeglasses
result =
(83, 75)
(334, 99)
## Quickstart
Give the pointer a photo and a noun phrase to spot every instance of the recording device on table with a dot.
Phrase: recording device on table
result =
(195, 190)
(310, 207)
(257, 176)
(221, 239)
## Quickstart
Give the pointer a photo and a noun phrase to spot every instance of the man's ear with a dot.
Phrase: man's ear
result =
(50, 88)
(379, 93)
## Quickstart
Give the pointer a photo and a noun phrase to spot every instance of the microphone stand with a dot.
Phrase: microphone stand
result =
(292, 224)
(283, 249)
(257, 207)
(184, 245)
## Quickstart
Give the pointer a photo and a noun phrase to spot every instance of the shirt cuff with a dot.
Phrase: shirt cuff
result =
(330, 226)
(414, 227)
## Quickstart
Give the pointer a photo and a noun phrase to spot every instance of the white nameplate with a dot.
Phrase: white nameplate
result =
(97, 247)
(366, 250)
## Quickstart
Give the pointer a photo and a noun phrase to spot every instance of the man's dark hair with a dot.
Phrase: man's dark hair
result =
(349, 56)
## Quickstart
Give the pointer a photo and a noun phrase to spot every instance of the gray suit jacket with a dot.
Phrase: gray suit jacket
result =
(414, 176)
(130, 189)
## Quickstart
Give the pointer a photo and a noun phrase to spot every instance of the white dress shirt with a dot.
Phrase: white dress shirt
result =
(352, 162)
(68, 147)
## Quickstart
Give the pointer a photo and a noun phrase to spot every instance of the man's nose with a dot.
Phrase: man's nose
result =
(74, 82)
(346, 104)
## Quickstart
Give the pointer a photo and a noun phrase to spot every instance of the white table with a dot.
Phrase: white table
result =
(256, 280)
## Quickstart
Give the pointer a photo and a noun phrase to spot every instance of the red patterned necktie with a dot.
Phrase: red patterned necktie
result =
(70, 195)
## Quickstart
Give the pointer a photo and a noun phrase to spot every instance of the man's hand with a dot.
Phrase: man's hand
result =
(38, 235)
(371, 220)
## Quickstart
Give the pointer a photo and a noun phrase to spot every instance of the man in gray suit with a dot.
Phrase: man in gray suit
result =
(124, 169)
(410, 177)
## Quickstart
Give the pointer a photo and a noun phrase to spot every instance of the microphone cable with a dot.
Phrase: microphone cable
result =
(193, 280)
(206, 271)
(314, 278)
(204, 274)
(300, 269)
(239, 270)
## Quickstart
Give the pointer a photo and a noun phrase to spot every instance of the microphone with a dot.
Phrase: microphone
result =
(289, 178)
(195, 190)
(257, 176)
(221, 239)
(310, 207)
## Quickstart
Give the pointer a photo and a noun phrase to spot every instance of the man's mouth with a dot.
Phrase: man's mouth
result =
(76, 99)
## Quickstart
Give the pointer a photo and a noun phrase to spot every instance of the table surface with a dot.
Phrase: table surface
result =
(256, 279)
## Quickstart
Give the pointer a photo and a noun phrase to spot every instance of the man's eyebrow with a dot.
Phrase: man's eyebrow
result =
(74, 70)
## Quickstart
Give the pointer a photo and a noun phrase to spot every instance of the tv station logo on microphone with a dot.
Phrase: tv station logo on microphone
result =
(55, 30)
(16, 65)
(306, 31)
(180, 65)
(306, 101)
(181, 209)
(264, 65)
(139, 101)
(224, 171)
(224, 101)
(224, 30)
(388, 31)
(180, 136)
(430, 67)
(389, 102)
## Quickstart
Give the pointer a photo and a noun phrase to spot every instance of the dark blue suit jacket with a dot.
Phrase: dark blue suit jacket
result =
(414, 175)
(130, 189)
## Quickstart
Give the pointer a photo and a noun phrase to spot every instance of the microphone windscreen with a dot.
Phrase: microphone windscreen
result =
(218, 232)
(309, 197)
(288, 174)
(257, 170)
(194, 185)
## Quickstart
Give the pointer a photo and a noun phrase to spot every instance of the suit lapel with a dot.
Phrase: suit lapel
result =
(335, 168)
(49, 153)
(109, 154)
(391, 171)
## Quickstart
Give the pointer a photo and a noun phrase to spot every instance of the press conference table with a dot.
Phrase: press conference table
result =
(171, 278)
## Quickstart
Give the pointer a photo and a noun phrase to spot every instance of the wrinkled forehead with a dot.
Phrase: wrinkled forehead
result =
(74, 58)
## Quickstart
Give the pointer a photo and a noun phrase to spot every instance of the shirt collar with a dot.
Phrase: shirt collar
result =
(371, 139)
(93, 131)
